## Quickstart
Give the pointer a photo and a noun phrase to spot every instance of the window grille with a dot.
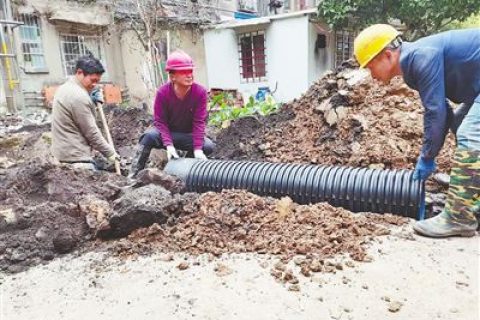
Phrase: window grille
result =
(251, 47)
(31, 40)
(75, 46)
(343, 46)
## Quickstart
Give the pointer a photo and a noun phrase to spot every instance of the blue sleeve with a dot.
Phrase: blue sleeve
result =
(428, 71)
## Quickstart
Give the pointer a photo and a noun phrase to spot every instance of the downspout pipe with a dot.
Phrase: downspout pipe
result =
(355, 189)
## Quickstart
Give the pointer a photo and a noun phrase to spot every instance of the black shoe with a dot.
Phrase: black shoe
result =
(139, 160)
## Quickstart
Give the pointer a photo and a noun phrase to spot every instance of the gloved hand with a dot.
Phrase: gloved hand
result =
(97, 95)
(424, 168)
(198, 154)
(172, 153)
(114, 157)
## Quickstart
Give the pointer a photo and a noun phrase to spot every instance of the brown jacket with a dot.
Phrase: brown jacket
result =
(74, 130)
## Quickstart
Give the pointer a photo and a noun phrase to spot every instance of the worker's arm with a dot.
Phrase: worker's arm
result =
(199, 122)
(85, 120)
(428, 70)
(160, 118)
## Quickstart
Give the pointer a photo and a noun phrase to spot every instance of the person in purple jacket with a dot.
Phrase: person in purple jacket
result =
(180, 116)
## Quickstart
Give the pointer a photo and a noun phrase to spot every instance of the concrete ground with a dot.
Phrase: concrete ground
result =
(409, 278)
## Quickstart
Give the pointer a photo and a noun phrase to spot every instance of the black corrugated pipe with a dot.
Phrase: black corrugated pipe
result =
(356, 189)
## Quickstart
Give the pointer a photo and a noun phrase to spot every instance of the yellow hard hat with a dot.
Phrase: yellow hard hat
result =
(371, 41)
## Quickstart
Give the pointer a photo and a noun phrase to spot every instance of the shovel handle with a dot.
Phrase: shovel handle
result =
(109, 137)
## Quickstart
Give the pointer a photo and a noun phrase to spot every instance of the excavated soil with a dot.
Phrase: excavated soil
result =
(39, 212)
(47, 209)
(235, 221)
(337, 122)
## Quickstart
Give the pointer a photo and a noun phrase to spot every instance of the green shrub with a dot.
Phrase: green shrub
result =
(223, 111)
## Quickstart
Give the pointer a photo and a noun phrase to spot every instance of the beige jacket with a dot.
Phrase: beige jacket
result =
(74, 129)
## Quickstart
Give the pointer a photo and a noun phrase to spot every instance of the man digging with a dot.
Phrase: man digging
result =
(180, 116)
(440, 67)
(74, 129)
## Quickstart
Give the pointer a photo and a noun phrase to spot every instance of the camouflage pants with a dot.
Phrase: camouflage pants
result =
(463, 199)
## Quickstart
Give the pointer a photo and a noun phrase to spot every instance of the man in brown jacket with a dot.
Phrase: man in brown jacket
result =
(74, 129)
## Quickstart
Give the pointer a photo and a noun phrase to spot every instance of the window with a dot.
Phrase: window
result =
(343, 46)
(252, 56)
(75, 46)
(30, 35)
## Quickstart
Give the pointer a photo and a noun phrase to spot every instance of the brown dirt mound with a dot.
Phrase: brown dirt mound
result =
(127, 125)
(39, 213)
(335, 123)
(237, 221)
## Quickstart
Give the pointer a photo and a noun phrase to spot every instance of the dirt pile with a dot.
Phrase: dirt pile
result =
(127, 124)
(343, 119)
(48, 209)
(237, 221)
(39, 212)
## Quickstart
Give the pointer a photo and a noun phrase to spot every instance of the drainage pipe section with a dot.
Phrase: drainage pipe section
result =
(355, 189)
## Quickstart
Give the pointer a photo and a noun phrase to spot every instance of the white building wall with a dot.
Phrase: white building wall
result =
(286, 55)
(320, 60)
(222, 59)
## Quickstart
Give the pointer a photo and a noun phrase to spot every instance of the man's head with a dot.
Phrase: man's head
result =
(377, 48)
(180, 68)
(89, 71)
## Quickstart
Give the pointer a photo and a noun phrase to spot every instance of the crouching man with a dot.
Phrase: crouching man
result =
(180, 116)
(74, 129)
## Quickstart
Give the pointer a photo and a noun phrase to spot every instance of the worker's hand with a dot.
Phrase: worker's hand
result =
(198, 154)
(424, 168)
(114, 157)
(172, 153)
(97, 95)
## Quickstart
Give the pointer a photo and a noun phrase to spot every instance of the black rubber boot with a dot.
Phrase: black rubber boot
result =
(139, 160)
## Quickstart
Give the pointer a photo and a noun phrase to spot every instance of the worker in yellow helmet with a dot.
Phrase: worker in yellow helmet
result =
(440, 67)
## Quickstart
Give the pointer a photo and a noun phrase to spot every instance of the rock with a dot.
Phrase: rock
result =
(41, 234)
(64, 242)
(316, 266)
(5, 163)
(222, 270)
(96, 212)
(159, 177)
(341, 113)
(394, 306)
(18, 255)
(145, 206)
(183, 266)
(158, 158)
(331, 117)
(442, 179)
(8, 215)
(294, 288)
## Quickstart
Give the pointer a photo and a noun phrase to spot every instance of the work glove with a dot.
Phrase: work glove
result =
(198, 154)
(114, 157)
(172, 153)
(424, 168)
(97, 95)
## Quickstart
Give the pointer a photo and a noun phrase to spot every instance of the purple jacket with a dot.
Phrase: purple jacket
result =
(170, 114)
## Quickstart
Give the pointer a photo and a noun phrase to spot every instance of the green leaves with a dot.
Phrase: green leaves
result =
(421, 17)
(223, 111)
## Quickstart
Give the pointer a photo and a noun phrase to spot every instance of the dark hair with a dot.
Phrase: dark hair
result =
(89, 65)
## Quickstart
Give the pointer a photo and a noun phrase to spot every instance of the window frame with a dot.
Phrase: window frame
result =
(341, 45)
(257, 55)
(32, 25)
(83, 40)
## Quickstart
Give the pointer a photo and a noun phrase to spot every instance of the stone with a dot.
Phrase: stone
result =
(96, 212)
(64, 242)
(41, 234)
(394, 306)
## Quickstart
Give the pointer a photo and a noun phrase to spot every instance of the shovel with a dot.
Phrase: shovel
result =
(109, 137)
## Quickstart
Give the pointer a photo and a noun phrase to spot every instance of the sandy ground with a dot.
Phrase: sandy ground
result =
(422, 278)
